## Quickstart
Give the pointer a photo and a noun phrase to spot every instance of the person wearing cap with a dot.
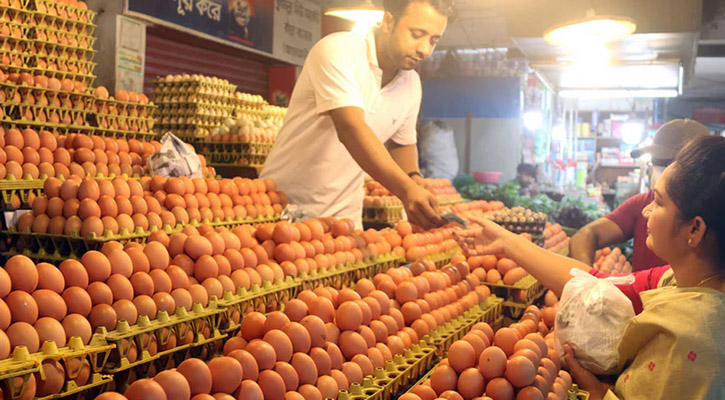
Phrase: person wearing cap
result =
(626, 221)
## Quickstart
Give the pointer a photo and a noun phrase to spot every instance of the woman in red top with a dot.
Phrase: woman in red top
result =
(675, 348)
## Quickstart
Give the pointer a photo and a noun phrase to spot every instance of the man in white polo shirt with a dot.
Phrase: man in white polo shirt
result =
(357, 93)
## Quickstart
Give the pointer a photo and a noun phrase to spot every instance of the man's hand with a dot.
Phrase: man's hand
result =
(422, 208)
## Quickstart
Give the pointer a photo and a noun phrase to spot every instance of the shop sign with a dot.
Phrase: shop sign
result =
(297, 26)
(245, 22)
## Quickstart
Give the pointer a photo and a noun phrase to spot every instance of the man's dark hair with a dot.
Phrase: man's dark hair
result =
(527, 169)
(398, 7)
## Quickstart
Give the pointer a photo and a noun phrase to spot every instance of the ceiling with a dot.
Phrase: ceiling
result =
(667, 30)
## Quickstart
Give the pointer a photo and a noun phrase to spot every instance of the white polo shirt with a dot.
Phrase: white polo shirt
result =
(308, 162)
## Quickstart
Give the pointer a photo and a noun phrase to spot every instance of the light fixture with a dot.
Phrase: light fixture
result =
(592, 29)
(533, 120)
(616, 93)
(632, 132)
(365, 14)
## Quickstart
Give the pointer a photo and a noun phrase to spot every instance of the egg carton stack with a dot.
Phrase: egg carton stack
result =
(444, 191)
(190, 106)
(127, 115)
(380, 206)
(246, 141)
(520, 220)
(50, 60)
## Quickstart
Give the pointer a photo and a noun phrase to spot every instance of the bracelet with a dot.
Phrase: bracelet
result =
(413, 173)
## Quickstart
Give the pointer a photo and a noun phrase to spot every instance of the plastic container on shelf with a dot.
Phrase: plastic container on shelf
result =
(486, 176)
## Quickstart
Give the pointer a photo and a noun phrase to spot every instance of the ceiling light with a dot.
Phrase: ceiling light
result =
(592, 29)
(364, 13)
(616, 93)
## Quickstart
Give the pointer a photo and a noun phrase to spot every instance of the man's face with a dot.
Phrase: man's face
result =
(414, 35)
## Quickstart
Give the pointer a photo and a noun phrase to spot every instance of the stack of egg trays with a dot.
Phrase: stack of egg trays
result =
(531, 288)
(109, 115)
(17, 369)
(196, 321)
(271, 296)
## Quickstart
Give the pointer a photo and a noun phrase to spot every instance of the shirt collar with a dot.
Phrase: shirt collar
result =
(372, 51)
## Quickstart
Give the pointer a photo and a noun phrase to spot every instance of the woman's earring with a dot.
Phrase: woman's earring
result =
(689, 241)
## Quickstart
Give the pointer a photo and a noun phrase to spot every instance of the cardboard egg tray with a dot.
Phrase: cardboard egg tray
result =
(342, 276)
(55, 98)
(15, 12)
(55, 248)
(43, 115)
(14, 28)
(65, 27)
(167, 102)
(126, 124)
(11, 60)
(529, 289)
(22, 363)
(56, 10)
(211, 147)
(442, 259)
(191, 83)
(231, 159)
(385, 214)
(404, 369)
(23, 188)
(123, 108)
(181, 323)
(270, 297)
(489, 311)
(97, 384)
(44, 48)
(60, 64)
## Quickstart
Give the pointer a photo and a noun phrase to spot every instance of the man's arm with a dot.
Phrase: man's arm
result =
(406, 156)
(595, 235)
(372, 156)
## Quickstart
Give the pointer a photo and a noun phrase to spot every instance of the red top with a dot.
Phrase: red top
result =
(628, 216)
(643, 280)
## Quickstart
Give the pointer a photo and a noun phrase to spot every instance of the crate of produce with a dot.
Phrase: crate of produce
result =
(519, 295)
(270, 297)
(489, 311)
(21, 365)
(136, 346)
(520, 220)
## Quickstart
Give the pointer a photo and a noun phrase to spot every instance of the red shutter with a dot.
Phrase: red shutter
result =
(172, 52)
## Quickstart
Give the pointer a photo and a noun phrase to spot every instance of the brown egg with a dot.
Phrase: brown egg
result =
(157, 255)
(50, 304)
(73, 225)
(198, 374)
(281, 343)
(77, 300)
(23, 307)
(49, 277)
(23, 334)
(164, 302)
(22, 273)
(199, 294)
(125, 310)
(103, 315)
(226, 374)
(145, 305)
(145, 389)
(50, 329)
(74, 273)
(92, 225)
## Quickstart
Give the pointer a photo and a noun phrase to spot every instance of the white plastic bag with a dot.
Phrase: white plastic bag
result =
(591, 318)
(175, 158)
(438, 154)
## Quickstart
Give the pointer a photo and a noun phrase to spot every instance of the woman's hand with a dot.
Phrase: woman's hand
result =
(583, 377)
(488, 239)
